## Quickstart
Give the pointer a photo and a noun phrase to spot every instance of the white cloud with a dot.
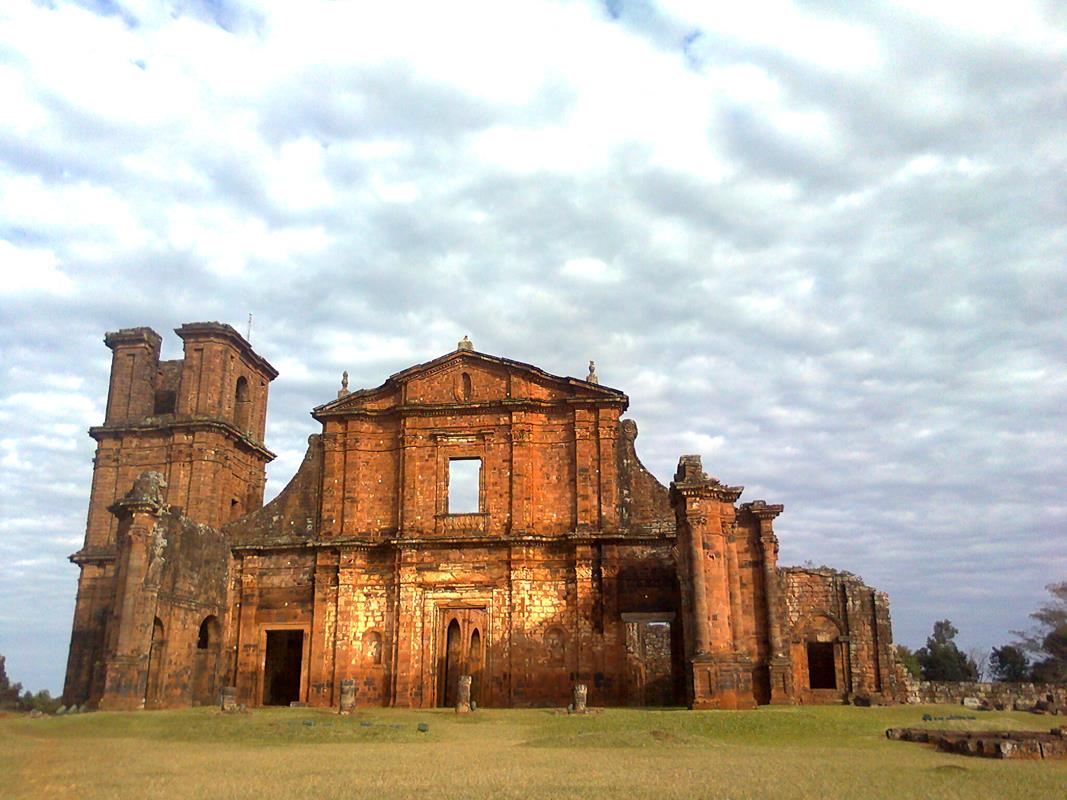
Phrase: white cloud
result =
(31, 270)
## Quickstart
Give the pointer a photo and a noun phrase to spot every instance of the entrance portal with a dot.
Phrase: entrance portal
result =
(281, 667)
(650, 658)
(462, 652)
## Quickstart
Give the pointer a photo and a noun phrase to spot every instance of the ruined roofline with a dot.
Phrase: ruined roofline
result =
(500, 361)
(203, 330)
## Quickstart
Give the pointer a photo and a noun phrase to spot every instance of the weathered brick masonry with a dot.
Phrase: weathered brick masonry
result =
(568, 563)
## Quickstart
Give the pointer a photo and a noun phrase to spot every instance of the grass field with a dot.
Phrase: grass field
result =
(816, 752)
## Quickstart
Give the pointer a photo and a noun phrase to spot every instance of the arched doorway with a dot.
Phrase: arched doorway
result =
(206, 661)
(154, 679)
(453, 662)
(474, 659)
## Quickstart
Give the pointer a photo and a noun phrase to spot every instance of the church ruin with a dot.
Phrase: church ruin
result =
(473, 515)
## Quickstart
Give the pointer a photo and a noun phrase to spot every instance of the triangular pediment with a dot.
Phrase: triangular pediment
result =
(467, 376)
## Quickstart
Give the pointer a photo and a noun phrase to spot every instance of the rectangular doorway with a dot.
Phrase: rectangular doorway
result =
(650, 659)
(282, 667)
(822, 672)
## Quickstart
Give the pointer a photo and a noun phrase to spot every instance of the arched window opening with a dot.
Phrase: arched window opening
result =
(476, 649)
(466, 387)
(242, 404)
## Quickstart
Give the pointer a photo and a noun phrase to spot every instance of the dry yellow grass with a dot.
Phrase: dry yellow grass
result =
(822, 753)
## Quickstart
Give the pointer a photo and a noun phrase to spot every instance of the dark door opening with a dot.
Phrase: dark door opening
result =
(453, 663)
(281, 668)
(761, 684)
(821, 671)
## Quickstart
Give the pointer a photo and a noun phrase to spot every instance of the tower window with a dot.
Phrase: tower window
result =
(242, 404)
(164, 402)
(464, 485)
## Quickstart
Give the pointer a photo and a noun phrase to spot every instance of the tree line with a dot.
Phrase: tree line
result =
(1038, 655)
(13, 698)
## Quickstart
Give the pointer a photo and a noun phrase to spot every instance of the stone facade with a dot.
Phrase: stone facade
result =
(472, 516)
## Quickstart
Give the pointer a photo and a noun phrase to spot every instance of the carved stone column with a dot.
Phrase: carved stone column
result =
(779, 664)
(720, 675)
(141, 547)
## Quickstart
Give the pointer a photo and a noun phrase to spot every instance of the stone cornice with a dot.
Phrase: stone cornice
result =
(99, 432)
(93, 556)
(762, 510)
(708, 487)
(415, 542)
(452, 409)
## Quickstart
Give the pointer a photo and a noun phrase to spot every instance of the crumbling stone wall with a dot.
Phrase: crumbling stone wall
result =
(837, 608)
(1006, 695)
(163, 635)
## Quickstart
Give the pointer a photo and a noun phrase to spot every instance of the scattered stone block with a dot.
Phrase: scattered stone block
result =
(463, 695)
(1031, 745)
(348, 695)
(580, 692)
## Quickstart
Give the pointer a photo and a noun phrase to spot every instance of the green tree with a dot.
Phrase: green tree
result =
(9, 692)
(907, 657)
(43, 701)
(942, 660)
(1009, 664)
(1047, 642)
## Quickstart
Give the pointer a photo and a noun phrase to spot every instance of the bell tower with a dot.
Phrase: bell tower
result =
(199, 421)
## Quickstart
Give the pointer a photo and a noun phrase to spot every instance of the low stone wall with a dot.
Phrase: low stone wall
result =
(1008, 695)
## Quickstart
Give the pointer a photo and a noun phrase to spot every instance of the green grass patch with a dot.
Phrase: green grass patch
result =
(795, 752)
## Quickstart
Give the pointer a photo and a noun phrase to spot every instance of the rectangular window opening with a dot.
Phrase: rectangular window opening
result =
(464, 485)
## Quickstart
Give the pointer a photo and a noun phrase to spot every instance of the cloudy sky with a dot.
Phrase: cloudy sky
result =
(820, 243)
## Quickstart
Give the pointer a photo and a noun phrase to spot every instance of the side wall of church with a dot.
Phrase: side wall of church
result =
(837, 609)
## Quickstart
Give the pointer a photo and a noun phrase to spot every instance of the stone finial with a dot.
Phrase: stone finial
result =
(465, 343)
(344, 385)
(592, 376)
